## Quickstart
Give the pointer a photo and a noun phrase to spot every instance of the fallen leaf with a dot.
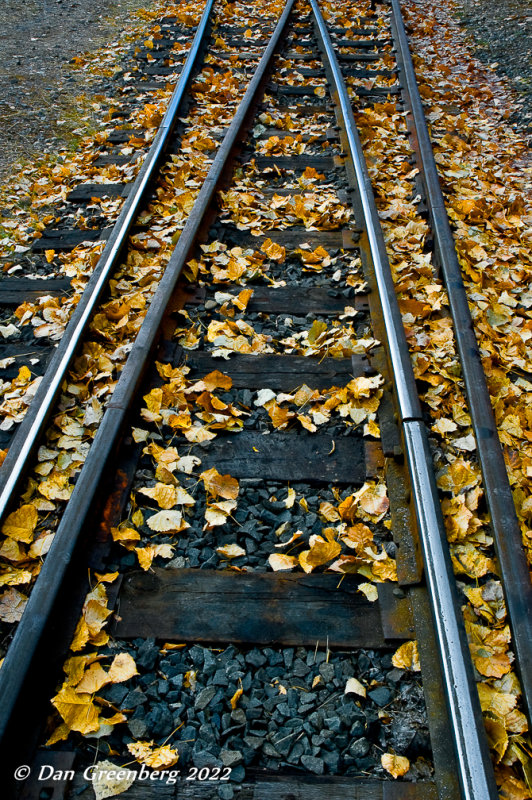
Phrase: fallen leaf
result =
(109, 785)
(395, 765)
(280, 561)
(231, 551)
(155, 757)
(353, 686)
(406, 657)
(220, 485)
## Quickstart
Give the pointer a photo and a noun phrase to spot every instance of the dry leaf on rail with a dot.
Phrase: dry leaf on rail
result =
(407, 657)
(154, 757)
(395, 765)
(497, 736)
(370, 590)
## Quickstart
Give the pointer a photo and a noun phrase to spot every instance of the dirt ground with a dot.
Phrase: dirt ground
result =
(38, 87)
(502, 35)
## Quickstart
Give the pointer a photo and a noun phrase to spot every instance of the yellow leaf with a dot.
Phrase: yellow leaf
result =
(214, 380)
(319, 91)
(304, 562)
(41, 545)
(217, 513)
(231, 551)
(290, 499)
(395, 765)
(13, 551)
(107, 577)
(370, 590)
(279, 416)
(220, 485)
(125, 534)
(322, 551)
(20, 524)
(492, 665)
(56, 487)
(373, 500)
(498, 703)
(236, 697)
(15, 577)
(147, 554)
(274, 251)
(93, 680)
(317, 328)
(497, 736)
(166, 520)
(164, 495)
(60, 733)
(280, 561)
(407, 657)
(49, 255)
(358, 537)
(155, 757)
(122, 668)
(77, 710)
(307, 423)
(328, 512)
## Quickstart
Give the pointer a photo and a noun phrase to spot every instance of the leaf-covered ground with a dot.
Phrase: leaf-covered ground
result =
(483, 167)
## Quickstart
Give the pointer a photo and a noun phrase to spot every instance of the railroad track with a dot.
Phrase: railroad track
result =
(266, 385)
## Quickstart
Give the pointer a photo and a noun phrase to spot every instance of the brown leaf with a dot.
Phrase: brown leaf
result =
(220, 485)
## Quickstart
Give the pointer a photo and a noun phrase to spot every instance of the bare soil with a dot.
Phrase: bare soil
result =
(39, 108)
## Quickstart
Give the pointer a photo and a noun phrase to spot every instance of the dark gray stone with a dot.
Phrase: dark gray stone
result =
(327, 672)
(137, 728)
(381, 696)
(255, 658)
(230, 758)
(134, 699)
(313, 764)
(204, 697)
(147, 654)
(202, 758)
(359, 748)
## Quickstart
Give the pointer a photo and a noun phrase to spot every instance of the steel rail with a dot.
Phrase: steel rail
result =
(30, 429)
(515, 574)
(476, 776)
(45, 590)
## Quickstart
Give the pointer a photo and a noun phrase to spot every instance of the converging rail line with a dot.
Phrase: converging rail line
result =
(269, 365)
